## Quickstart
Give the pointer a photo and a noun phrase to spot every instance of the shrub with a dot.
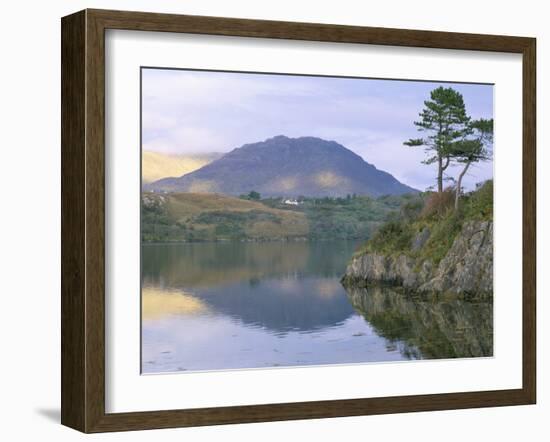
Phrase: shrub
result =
(393, 236)
(437, 214)
(411, 209)
(443, 234)
(438, 205)
(479, 204)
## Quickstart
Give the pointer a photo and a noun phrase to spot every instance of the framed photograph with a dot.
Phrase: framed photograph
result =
(270, 220)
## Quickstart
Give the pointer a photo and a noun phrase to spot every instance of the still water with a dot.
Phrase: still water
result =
(219, 306)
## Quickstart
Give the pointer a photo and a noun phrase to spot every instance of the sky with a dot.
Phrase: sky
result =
(186, 112)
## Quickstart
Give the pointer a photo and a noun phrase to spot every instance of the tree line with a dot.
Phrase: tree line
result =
(452, 136)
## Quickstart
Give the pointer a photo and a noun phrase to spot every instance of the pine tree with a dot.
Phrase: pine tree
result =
(473, 148)
(444, 120)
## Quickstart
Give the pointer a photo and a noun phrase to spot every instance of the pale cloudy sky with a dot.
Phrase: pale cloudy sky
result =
(197, 111)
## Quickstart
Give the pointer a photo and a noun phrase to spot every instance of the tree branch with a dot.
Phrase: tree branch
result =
(447, 161)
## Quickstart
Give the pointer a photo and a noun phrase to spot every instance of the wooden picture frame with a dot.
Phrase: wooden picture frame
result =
(83, 220)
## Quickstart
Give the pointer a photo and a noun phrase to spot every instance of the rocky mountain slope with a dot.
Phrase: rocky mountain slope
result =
(288, 167)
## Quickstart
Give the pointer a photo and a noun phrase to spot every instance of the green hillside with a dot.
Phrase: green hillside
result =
(214, 217)
(432, 213)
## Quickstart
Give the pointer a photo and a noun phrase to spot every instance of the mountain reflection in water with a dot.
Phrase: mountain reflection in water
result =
(215, 306)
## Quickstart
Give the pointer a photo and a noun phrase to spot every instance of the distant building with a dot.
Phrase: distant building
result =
(291, 202)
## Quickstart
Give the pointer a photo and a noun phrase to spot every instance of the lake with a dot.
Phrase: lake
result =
(234, 305)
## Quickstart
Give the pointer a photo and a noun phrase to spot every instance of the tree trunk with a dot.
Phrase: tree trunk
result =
(459, 183)
(440, 169)
(439, 174)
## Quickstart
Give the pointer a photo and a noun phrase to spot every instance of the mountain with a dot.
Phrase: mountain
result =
(288, 167)
(155, 165)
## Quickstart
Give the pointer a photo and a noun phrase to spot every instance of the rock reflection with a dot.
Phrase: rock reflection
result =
(430, 327)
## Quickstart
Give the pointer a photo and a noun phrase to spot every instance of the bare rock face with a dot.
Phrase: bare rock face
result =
(421, 239)
(467, 267)
(382, 269)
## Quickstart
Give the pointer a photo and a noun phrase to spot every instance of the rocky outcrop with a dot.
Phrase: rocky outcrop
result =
(466, 269)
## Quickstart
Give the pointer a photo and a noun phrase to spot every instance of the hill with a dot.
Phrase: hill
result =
(194, 217)
(290, 167)
(155, 165)
(209, 217)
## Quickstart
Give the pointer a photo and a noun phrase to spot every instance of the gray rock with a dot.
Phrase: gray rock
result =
(420, 239)
(467, 268)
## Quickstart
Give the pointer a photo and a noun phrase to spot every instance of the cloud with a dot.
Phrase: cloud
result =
(186, 139)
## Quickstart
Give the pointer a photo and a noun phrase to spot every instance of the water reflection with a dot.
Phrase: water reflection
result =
(243, 305)
(429, 326)
(213, 264)
(157, 303)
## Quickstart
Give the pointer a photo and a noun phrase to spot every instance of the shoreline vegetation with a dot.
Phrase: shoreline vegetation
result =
(432, 247)
(206, 217)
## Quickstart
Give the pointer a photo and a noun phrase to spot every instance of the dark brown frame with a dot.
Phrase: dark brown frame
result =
(83, 217)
